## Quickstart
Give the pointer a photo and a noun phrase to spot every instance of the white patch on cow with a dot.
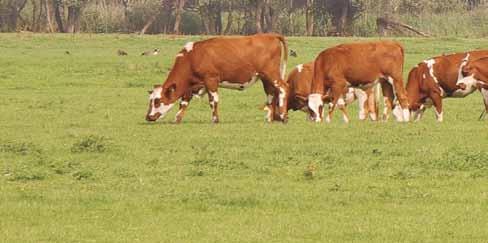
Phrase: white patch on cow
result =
(398, 114)
(315, 103)
(362, 99)
(156, 93)
(189, 46)
(180, 55)
(300, 68)
(341, 103)
(162, 109)
(390, 81)
(184, 103)
(373, 116)
(350, 96)
(439, 116)
(430, 64)
(471, 85)
(423, 76)
(239, 86)
(215, 96)
(282, 97)
(463, 63)
(215, 119)
(406, 115)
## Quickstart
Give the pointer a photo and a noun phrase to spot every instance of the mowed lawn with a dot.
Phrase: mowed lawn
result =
(78, 162)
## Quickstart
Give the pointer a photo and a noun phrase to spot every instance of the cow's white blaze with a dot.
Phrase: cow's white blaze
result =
(300, 68)
(180, 55)
(470, 83)
(189, 46)
(315, 103)
(163, 109)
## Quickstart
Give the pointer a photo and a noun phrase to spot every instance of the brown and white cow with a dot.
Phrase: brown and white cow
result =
(437, 78)
(227, 62)
(358, 65)
(300, 86)
(477, 71)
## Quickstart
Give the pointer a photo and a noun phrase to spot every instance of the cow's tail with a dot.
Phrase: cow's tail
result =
(284, 56)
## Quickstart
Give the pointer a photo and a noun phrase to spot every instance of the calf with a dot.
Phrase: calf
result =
(358, 65)
(300, 85)
(234, 63)
(437, 78)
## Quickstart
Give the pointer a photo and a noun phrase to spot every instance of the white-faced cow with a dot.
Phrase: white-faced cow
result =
(477, 70)
(300, 86)
(437, 78)
(227, 62)
(358, 65)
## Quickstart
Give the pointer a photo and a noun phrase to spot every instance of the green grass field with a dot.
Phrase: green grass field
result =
(78, 163)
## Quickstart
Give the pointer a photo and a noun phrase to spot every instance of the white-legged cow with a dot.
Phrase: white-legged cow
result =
(300, 87)
(358, 65)
(227, 62)
(437, 78)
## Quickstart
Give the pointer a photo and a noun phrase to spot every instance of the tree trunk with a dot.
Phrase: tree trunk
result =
(230, 20)
(268, 16)
(180, 4)
(74, 15)
(57, 15)
(342, 23)
(309, 18)
(259, 13)
(49, 15)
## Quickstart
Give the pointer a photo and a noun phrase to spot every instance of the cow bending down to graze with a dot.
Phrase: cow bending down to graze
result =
(437, 78)
(360, 65)
(234, 63)
(300, 86)
(477, 71)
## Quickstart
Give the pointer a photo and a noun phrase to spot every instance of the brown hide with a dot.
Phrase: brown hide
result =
(479, 69)
(359, 65)
(423, 87)
(300, 87)
(233, 61)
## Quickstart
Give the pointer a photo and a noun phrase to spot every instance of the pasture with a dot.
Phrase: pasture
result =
(78, 163)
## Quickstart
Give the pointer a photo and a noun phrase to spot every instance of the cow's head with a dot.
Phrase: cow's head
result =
(161, 100)
(473, 75)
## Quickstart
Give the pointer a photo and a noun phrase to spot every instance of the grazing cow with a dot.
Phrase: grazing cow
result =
(477, 70)
(234, 63)
(300, 85)
(360, 65)
(437, 78)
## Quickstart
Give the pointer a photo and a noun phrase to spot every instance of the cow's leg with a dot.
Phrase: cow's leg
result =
(484, 92)
(281, 94)
(338, 89)
(185, 101)
(211, 85)
(401, 94)
(362, 103)
(437, 100)
(388, 97)
(372, 105)
(270, 103)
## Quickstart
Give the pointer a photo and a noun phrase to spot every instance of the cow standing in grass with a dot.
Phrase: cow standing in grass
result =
(234, 63)
(441, 77)
(360, 65)
(300, 86)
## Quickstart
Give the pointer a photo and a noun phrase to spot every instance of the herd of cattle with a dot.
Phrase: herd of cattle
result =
(338, 76)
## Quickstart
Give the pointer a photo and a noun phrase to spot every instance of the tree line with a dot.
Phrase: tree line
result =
(230, 17)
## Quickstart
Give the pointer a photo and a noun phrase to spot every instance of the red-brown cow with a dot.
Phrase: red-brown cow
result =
(437, 78)
(234, 63)
(358, 65)
(300, 86)
(477, 70)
